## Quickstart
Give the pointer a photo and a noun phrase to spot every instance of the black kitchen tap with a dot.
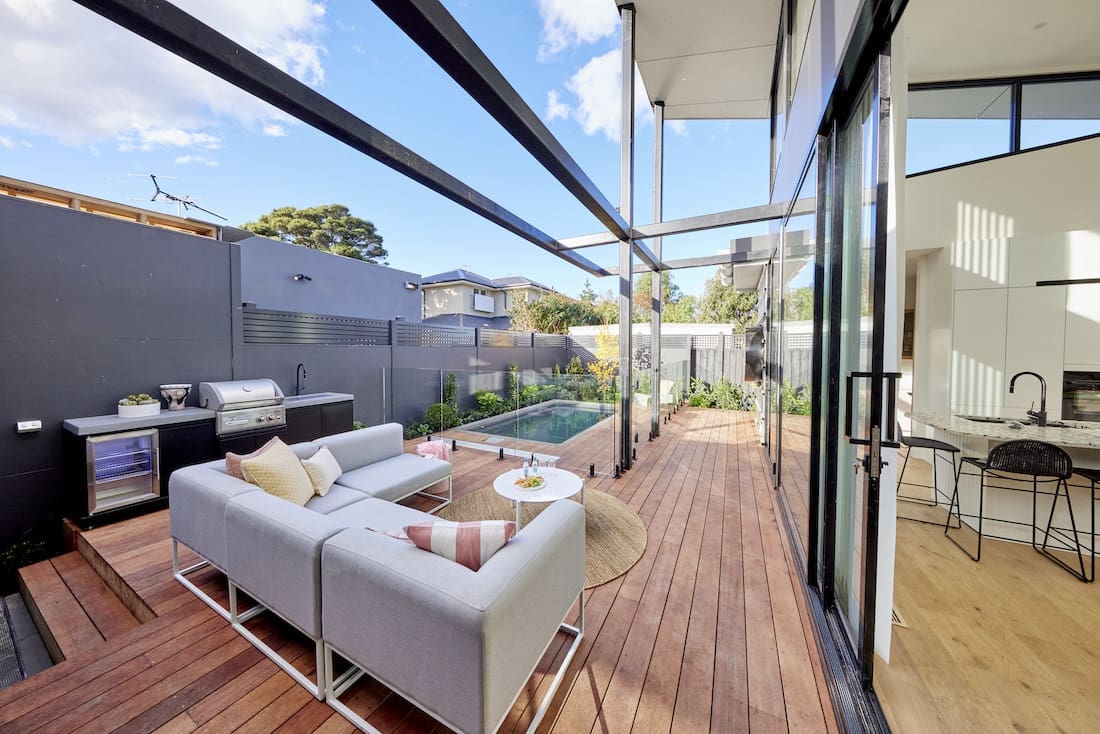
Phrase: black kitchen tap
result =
(1040, 416)
(300, 379)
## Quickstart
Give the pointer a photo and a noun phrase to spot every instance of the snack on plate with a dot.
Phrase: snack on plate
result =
(530, 482)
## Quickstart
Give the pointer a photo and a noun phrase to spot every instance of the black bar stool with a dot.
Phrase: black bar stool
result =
(1036, 459)
(1093, 475)
(917, 442)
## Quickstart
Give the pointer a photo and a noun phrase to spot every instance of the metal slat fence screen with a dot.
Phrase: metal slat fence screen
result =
(432, 335)
(500, 338)
(265, 326)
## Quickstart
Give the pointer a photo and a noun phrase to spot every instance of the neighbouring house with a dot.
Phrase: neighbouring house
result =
(463, 298)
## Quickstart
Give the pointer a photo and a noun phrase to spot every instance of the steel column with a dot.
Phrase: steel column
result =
(658, 294)
(626, 248)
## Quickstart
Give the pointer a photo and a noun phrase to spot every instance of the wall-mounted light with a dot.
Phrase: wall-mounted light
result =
(301, 276)
(411, 285)
(398, 318)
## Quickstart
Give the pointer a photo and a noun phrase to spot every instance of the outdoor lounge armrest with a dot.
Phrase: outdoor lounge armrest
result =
(275, 555)
(198, 496)
(460, 644)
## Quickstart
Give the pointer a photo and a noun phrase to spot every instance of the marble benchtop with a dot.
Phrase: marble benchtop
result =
(1082, 435)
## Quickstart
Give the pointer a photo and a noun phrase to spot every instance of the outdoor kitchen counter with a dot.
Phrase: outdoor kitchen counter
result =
(316, 398)
(99, 424)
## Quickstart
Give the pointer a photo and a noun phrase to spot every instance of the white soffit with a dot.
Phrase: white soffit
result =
(707, 59)
(950, 40)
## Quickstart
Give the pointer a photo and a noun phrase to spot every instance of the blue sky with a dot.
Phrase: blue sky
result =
(84, 106)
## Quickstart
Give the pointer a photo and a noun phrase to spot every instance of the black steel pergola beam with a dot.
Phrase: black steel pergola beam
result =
(185, 36)
(749, 215)
(440, 36)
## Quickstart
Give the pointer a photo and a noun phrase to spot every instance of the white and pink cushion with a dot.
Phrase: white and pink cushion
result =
(468, 543)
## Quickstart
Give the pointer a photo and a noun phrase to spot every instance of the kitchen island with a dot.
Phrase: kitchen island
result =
(1008, 513)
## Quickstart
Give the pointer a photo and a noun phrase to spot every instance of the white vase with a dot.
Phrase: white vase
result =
(138, 411)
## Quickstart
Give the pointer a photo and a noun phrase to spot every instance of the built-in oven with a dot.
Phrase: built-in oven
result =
(122, 469)
(1081, 396)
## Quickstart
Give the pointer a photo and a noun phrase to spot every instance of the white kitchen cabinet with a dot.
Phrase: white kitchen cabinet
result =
(1035, 342)
(1082, 347)
(978, 380)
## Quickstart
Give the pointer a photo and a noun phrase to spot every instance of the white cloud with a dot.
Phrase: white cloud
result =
(274, 131)
(678, 126)
(148, 139)
(555, 108)
(78, 78)
(199, 160)
(6, 142)
(597, 90)
(568, 23)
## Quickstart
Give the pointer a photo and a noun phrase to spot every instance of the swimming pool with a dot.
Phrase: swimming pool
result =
(556, 422)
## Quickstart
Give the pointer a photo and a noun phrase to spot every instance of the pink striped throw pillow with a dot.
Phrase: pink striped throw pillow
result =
(468, 543)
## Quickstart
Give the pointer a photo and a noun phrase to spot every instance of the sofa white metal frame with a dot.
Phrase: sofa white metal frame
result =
(237, 620)
(180, 574)
(336, 686)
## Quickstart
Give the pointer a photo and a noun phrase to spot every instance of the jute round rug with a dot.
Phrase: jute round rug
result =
(615, 536)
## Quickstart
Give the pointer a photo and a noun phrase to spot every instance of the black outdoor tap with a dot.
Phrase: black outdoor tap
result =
(300, 379)
(1040, 416)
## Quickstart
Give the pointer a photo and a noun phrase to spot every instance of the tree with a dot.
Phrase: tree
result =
(798, 304)
(684, 311)
(643, 294)
(587, 295)
(722, 304)
(552, 314)
(329, 228)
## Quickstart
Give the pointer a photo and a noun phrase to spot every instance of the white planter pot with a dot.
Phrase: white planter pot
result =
(138, 411)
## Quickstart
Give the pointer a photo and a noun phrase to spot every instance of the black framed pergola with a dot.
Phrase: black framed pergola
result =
(434, 29)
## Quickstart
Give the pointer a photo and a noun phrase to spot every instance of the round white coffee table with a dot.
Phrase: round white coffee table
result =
(558, 484)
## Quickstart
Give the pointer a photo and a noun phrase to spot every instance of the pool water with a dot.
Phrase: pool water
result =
(555, 424)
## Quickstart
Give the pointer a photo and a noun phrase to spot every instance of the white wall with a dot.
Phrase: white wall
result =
(1049, 190)
(1025, 199)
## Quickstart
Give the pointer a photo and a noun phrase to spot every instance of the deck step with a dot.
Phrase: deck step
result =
(71, 605)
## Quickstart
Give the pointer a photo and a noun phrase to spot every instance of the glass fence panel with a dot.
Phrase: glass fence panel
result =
(564, 417)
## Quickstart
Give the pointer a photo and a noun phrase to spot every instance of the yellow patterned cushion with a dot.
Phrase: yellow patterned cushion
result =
(278, 472)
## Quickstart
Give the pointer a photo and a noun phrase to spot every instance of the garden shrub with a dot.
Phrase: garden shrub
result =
(489, 403)
(441, 416)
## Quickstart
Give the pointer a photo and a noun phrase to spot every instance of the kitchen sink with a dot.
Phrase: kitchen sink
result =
(985, 419)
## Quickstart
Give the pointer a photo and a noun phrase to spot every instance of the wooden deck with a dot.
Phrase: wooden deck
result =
(707, 632)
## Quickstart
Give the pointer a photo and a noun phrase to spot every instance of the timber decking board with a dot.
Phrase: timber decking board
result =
(707, 631)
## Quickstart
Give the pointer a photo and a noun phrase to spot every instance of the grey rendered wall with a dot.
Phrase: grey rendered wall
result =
(95, 309)
(339, 285)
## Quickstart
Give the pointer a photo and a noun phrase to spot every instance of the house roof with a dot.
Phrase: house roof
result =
(513, 281)
(508, 281)
(453, 275)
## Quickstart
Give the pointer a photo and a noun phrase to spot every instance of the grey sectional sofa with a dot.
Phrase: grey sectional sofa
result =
(460, 644)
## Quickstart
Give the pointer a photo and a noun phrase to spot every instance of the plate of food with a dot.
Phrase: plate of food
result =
(530, 482)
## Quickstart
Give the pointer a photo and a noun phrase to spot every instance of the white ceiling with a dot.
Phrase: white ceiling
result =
(970, 39)
(707, 59)
(712, 59)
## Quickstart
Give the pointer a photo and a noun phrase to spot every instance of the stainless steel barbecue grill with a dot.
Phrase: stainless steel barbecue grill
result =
(242, 406)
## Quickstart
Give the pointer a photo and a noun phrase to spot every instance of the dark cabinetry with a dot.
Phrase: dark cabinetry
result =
(313, 421)
(183, 445)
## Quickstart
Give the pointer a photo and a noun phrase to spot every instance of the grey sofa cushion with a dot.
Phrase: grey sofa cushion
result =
(305, 449)
(396, 477)
(354, 449)
(461, 643)
(379, 515)
(334, 499)
(275, 555)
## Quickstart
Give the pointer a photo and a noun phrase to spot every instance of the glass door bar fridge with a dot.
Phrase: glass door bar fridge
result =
(122, 468)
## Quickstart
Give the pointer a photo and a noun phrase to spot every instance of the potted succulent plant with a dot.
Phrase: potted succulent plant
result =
(137, 406)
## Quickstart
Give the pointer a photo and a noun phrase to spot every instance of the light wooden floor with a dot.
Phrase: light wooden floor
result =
(707, 632)
(1008, 644)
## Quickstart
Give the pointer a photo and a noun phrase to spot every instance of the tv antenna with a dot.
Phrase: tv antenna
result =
(183, 203)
